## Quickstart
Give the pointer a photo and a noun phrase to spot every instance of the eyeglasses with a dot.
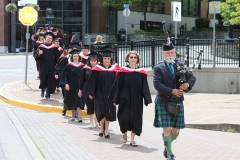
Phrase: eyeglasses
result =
(133, 57)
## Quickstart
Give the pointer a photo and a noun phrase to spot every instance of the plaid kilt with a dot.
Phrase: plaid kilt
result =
(163, 119)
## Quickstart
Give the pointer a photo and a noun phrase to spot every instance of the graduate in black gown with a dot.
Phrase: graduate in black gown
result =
(98, 87)
(85, 74)
(48, 55)
(129, 90)
(60, 49)
(40, 40)
(61, 64)
(84, 53)
(69, 79)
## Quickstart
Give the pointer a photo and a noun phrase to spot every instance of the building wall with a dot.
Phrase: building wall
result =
(3, 26)
(135, 18)
(98, 17)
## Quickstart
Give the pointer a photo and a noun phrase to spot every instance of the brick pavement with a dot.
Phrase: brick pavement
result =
(58, 138)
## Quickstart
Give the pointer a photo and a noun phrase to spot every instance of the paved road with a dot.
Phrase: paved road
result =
(12, 68)
(27, 134)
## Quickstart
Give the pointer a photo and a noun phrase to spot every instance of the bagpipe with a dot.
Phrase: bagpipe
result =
(182, 71)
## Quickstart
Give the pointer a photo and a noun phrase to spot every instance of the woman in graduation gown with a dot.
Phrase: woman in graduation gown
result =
(85, 74)
(69, 79)
(61, 64)
(129, 90)
(98, 88)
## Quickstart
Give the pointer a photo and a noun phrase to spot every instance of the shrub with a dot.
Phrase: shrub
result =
(202, 23)
(139, 32)
(11, 7)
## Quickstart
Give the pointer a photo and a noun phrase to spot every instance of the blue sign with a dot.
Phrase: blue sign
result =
(126, 5)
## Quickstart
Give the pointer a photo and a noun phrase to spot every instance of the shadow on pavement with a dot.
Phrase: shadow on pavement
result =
(139, 148)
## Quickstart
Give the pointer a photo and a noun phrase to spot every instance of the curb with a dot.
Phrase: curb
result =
(224, 127)
(32, 106)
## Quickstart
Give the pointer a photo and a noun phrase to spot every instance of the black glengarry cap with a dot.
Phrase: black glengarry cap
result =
(168, 47)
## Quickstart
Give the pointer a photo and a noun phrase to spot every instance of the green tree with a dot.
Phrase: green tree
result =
(142, 5)
(230, 14)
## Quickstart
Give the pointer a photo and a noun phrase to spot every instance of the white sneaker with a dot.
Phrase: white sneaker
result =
(97, 125)
(91, 126)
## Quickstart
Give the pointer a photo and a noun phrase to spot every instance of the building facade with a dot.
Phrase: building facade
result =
(75, 17)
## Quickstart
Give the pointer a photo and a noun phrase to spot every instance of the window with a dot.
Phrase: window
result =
(191, 8)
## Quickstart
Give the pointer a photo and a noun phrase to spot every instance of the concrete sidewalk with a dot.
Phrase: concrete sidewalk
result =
(58, 138)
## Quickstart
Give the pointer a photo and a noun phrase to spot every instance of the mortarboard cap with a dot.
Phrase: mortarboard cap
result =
(49, 33)
(85, 46)
(41, 34)
(55, 39)
(74, 52)
(168, 47)
(93, 55)
(66, 47)
(54, 30)
(75, 45)
(106, 51)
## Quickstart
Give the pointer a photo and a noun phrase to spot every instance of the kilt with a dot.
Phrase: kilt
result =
(163, 119)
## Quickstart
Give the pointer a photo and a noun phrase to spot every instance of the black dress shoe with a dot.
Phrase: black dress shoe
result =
(63, 113)
(107, 136)
(171, 157)
(42, 94)
(165, 153)
(100, 134)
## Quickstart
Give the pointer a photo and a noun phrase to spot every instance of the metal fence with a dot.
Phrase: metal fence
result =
(227, 51)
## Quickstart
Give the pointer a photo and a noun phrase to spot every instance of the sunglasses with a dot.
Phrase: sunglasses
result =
(133, 57)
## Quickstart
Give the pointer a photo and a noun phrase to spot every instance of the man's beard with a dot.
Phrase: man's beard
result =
(170, 59)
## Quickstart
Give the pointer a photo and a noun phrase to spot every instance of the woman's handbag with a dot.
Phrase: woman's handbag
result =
(173, 108)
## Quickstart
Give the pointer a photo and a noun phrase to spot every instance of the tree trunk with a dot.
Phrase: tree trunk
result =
(230, 32)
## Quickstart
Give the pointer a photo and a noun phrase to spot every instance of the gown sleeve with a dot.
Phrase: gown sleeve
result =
(81, 79)
(116, 89)
(146, 92)
(65, 76)
(35, 54)
(91, 84)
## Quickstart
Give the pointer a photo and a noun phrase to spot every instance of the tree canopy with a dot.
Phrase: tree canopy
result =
(142, 5)
(230, 12)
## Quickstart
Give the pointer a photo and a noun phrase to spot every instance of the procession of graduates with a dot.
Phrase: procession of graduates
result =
(95, 80)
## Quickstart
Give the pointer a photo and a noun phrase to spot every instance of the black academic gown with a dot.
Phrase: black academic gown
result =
(48, 61)
(99, 85)
(70, 76)
(61, 64)
(129, 90)
(36, 45)
(83, 58)
(85, 74)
